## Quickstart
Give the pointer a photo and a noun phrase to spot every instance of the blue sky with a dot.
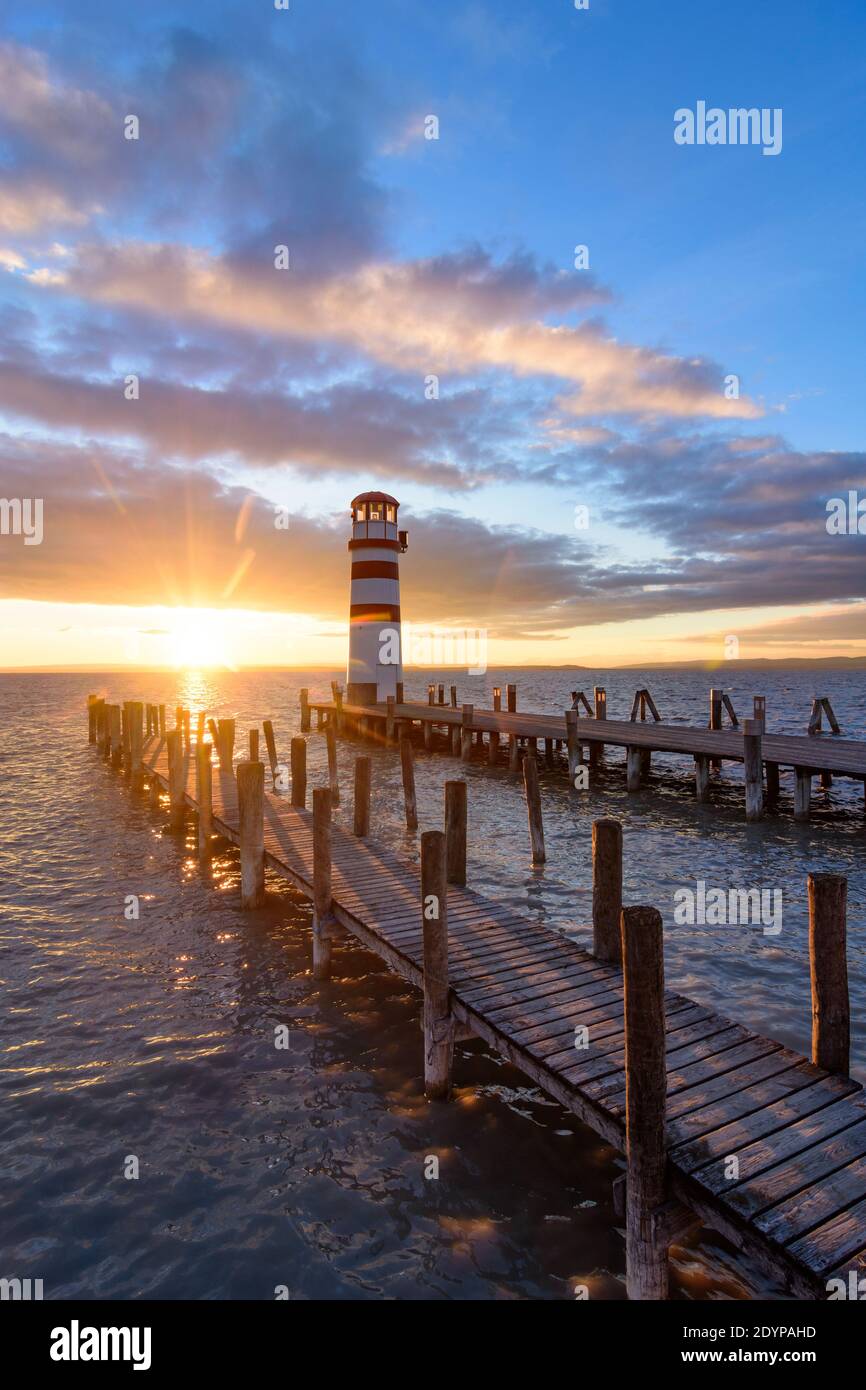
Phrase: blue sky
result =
(452, 256)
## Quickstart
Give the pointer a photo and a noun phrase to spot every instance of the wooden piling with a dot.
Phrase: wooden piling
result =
(305, 711)
(772, 770)
(511, 697)
(573, 745)
(161, 713)
(298, 756)
(199, 727)
(533, 809)
(513, 753)
(389, 719)
(271, 745)
(136, 743)
(646, 1090)
(92, 705)
(363, 777)
(633, 769)
(407, 768)
(802, 793)
(437, 1019)
(753, 768)
(226, 743)
(455, 832)
(828, 962)
(607, 890)
(466, 732)
(114, 743)
(322, 901)
(453, 690)
(176, 780)
(493, 749)
(333, 779)
(254, 745)
(204, 797)
(251, 832)
(702, 777)
(716, 720)
(456, 740)
(187, 736)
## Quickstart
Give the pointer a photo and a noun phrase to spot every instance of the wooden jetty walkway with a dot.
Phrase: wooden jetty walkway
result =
(716, 1122)
(462, 730)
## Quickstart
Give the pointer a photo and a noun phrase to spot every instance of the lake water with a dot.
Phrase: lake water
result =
(261, 1168)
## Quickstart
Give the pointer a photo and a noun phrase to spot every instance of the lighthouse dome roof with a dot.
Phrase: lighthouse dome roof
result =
(374, 497)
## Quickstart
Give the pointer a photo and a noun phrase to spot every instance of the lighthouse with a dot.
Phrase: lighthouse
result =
(375, 644)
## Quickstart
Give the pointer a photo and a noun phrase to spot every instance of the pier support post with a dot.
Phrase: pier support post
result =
(702, 777)
(828, 963)
(299, 771)
(438, 1021)
(466, 733)
(428, 734)
(716, 721)
(753, 768)
(305, 711)
(497, 698)
(453, 693)
(607, 890)
(204, 797)
(199, 727)
(361, 818)
(455, 832)
(162, 721)
(575, 751)
(456, 737)
(254, 745)
(533, 809)
(407, 770)
(135, 715)
(333, 779)
(802, 793)
(270, 743)
(323, 918)
(176, 780)
(772, 783)
(226, 743)
(513, 753)
(646, 1088)
(92, 703)
(493, 749)
(389, 719)
(114, 741)
(511, 698)
(632, 769)
(251, 806)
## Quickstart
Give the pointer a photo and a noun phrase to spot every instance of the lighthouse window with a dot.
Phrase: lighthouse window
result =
(361, 512)
(390, 512)
(375, 511)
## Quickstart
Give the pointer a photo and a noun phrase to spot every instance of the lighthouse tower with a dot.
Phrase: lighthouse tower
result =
(375, 642)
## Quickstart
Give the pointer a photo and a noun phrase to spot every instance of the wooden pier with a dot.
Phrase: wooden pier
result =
(716, 1122)
(509, 734)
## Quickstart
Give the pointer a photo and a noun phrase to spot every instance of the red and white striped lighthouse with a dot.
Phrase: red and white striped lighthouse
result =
(375, 641)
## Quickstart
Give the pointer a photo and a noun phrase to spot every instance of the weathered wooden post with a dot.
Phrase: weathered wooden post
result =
(493, 749)
(645, 1097)
(226, 744)
(441, 693)
(427, 729)
(136, 743)
(466, 732)
(533, 809)
(438, 1020)
(455, 832)
(802, 792)
(91, 717)
(759, 706)
(251, 806)
(187, 737)
(772, 782)
(305, 711)
(338, 706)
(633, 769)
(124, 734)
(333, 779)
(176, 780)
(596, 749)
(323, 916)
(456, 740)
(199, 727)
(407, 767)
(753, 769)
(162, 721)
(204, 797)
(497, 698)
(513, 753)
(215, 734)
(363, 771)
(270, 741)
(431, 694)
(511, 698)
(298, 757)
(389, 718)
(607, 890)
(828, 963)
(702, 777)
(716, 720)
(453, 691)
(254, 745)
(114, 744)
(575, 751)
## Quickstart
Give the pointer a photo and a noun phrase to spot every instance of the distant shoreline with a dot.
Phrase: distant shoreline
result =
(806, 663)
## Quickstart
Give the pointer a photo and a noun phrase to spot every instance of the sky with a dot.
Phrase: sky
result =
(256, 260)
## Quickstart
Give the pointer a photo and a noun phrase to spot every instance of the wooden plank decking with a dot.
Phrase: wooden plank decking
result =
(813, 753)
(797, 1204)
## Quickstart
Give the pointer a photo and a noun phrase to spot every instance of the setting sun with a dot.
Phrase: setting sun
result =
(197, 639)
